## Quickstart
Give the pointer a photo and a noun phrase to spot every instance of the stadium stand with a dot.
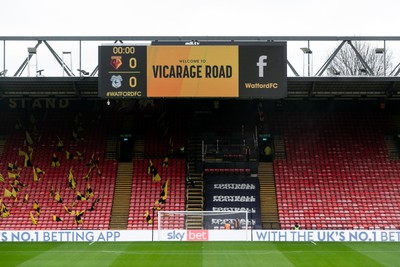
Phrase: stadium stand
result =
(337, 173)
(164, 135)
(145, 192)
(50, 129)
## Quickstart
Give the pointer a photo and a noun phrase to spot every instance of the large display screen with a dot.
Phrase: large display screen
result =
(192, 71)
(226, 71)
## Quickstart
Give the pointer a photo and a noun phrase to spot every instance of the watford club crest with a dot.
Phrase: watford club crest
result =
(116, 62)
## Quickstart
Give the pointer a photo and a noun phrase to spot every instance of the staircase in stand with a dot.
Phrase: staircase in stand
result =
(279, 147)
(2, 145)
(392, 147)
(396, 122)
(194, 195)
(269, 205)
(138, 148)
(122, 196)
(111, 148)
(393, 141)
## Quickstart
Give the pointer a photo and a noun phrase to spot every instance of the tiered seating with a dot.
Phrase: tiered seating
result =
(218, 167)
(162, 134)
(44, 145)
(337, 174)
(8, 120)
(145, 192)
(227, 171)
(234, 157)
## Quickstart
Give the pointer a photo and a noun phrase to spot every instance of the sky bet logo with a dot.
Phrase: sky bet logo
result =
(189, 235)
(262, 62)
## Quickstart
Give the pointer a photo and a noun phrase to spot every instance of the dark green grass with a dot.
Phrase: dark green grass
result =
(193, 254)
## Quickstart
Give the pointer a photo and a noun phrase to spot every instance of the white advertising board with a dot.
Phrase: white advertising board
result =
(202, 235)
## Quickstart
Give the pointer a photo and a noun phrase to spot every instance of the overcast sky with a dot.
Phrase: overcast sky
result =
(190, 18)
(201, 17)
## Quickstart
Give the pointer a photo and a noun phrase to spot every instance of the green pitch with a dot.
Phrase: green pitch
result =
(193, 254)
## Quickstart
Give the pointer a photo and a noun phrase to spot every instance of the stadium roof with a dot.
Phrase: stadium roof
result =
(314, 86)
(298, 87)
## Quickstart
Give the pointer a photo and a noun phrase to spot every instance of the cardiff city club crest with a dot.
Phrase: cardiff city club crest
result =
(116, 62)
(116, 81)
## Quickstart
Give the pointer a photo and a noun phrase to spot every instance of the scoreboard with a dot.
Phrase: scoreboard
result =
(227, 71)
(122, 71)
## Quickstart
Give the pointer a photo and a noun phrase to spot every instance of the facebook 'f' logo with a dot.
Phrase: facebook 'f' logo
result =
(262, 62)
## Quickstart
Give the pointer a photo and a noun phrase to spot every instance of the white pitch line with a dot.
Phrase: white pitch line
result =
(91, 243)
(313, 243)
(235, 252)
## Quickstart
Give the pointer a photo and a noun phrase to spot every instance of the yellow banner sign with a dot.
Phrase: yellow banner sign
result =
(192, 71)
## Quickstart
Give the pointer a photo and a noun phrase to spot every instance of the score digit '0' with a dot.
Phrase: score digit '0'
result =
(132, 62)
(132, 81)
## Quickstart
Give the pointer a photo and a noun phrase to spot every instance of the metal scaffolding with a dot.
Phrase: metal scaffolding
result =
(314, 51)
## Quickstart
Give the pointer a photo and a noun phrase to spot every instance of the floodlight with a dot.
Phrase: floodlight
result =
(306, 50)
(334, 71)
(32, 50)
(83, 72)
(3, 72)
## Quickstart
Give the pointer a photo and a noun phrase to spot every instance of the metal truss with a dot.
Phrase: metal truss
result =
(325, 83)
(198, 40)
